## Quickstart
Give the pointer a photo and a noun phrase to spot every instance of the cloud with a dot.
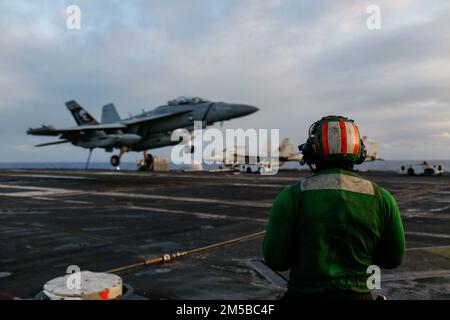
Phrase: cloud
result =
(296, 60)
(443, 135)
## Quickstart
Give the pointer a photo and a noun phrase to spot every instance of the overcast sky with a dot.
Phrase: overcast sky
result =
(296, 60)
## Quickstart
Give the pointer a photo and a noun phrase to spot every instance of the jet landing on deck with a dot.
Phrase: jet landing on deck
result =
(145, 131)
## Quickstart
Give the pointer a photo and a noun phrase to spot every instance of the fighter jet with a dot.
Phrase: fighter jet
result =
(372, 151)
(240, 155)
(148, 130)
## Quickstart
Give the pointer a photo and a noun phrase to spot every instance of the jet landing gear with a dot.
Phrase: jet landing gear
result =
(115, 160)
(146, 164)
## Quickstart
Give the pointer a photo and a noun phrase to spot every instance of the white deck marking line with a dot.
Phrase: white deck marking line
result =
(233, 177)
(425, 234)
(37, 192)
(65, 201)
(27, 194)
(78, 202)
(427, 248)
(254, 204)
(181, 176)
(415, 275)
(31, 175)
(425, 215)
(439, 209)
(198, 214)
(31, 194)
(40, 194)
(259, 185)
(43, 192)
(21, 187)
(44, 198)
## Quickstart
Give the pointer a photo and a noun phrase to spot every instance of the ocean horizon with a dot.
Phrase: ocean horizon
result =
(387, 165)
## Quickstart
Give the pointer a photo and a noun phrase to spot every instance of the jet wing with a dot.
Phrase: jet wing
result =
(142, 120)
(295, 157)
(52, 131)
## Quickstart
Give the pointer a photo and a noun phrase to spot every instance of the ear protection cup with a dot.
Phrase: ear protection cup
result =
(309, 149)
(363, 156)
(306, 150)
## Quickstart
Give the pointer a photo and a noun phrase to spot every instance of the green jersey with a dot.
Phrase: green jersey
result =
(329, 228)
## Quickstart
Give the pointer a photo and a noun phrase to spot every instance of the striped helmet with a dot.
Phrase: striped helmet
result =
(334, 138)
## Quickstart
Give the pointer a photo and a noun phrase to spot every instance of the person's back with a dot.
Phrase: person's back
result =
(329, 228)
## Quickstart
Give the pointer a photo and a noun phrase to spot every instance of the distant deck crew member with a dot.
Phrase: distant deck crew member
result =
(330, 227)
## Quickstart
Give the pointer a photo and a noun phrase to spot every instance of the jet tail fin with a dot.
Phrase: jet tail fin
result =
(287, 149)
(372, 154)
(110, 114)
(81, 116)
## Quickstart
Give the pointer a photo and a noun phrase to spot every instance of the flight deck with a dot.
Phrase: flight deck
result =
(102, 220)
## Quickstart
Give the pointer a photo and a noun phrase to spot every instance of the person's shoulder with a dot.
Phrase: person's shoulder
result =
(384, 193)
(387, 196)
(386, 199)
(289, 193)
(294, 190)
(377, 189)
(287, 201)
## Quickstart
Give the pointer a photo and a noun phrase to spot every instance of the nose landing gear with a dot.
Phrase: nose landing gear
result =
(115, 160)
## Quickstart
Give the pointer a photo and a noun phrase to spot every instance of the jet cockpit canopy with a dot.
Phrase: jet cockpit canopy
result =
(186, 100)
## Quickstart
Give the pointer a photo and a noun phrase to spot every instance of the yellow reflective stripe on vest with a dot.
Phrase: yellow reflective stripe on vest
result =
(338, 181)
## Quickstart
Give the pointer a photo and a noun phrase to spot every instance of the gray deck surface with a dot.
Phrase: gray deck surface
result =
(100, 220)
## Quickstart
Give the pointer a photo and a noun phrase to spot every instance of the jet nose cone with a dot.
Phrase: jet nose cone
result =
(222, 111)
(245, 109)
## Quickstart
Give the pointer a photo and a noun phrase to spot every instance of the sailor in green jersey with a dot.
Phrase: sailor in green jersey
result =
(330, 227)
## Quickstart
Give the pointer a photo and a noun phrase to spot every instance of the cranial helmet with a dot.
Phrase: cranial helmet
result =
(333, 138)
